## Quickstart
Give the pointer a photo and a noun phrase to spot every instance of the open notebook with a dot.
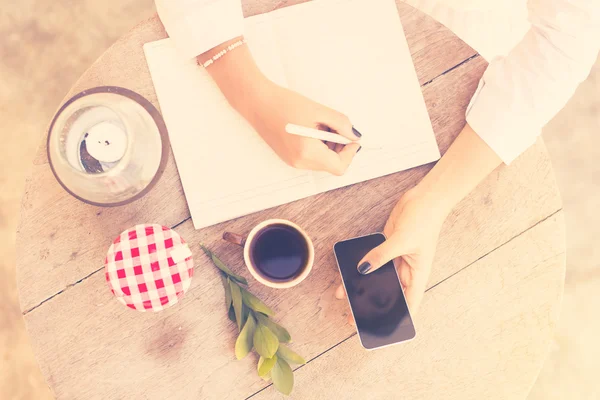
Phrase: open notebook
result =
(350, 55)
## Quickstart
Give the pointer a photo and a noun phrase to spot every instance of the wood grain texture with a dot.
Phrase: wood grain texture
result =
(89, 346)
(481, 335)
(68, 252)
(509, 202)
(187, 351)
(69, 237)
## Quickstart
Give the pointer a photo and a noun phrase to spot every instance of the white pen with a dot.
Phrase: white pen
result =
(317, 134)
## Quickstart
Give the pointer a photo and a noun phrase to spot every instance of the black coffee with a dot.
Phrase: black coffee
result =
(279, 252)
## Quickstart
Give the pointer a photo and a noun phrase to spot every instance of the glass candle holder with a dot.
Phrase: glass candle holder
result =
(107, 146)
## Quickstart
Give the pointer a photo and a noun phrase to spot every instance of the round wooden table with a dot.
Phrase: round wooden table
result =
(482, 332)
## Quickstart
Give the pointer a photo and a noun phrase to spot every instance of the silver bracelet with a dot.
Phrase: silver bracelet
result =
(226, 50)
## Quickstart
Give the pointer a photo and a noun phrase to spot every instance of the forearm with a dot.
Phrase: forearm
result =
(236, 74)
(466, 163)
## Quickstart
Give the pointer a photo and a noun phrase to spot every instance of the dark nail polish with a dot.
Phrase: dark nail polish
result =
(356, 132)
(364, 268)
(359, 149)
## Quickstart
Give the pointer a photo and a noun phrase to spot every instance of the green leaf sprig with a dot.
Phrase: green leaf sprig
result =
(257, 330)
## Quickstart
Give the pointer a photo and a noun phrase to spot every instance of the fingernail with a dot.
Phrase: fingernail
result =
(364, 268)
(356, 132)
(358, 149)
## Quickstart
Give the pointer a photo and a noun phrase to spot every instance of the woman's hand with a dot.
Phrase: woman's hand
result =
(273, 107)
(412, 232)
(414, 225)
(269, 108)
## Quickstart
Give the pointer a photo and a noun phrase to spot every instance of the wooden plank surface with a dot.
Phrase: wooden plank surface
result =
(64, 239)
(509, 202)
(190, 346)
(481, 335)
(65, 253)
(89, 346)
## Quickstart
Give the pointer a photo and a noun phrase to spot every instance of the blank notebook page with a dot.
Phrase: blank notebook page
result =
(350, 55)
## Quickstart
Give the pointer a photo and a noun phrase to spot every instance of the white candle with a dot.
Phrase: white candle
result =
(106, 142)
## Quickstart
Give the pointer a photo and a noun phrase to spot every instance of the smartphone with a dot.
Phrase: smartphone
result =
(376, 300)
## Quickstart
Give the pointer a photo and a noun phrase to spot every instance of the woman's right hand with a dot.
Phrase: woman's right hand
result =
(274, 107)
(269, 108)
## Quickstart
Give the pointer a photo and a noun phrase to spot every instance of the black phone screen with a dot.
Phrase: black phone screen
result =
(377, 300)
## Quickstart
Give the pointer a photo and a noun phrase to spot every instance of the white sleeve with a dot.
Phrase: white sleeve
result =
(197, 26)
(520, 93)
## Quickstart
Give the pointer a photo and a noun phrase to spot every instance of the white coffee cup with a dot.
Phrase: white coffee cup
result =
(249, 245)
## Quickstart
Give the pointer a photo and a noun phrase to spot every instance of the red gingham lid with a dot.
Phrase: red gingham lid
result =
(149, 267)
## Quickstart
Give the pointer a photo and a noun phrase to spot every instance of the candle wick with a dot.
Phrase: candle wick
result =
(107, 142)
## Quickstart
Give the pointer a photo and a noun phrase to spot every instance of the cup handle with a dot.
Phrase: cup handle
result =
(234, 238)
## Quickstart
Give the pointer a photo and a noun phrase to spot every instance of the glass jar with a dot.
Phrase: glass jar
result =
(107, 146)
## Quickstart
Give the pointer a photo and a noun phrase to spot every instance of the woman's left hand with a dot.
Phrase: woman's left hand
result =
(412, 232)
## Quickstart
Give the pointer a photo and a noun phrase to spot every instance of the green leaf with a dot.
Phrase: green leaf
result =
(243, 344)
(236, 298)
(267, 377)
(239, 279)
(265, 341)
(227, 288)
(221, 265)
(282, 334)
(245, 313)
(290, 356)
(255, 303)
(265, 365)
(231, 314)
(283, 377)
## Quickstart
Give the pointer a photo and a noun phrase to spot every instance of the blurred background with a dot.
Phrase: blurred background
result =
(45, 45)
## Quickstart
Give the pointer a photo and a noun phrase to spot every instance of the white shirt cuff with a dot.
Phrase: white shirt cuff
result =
(196, 26)
(503, 127)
